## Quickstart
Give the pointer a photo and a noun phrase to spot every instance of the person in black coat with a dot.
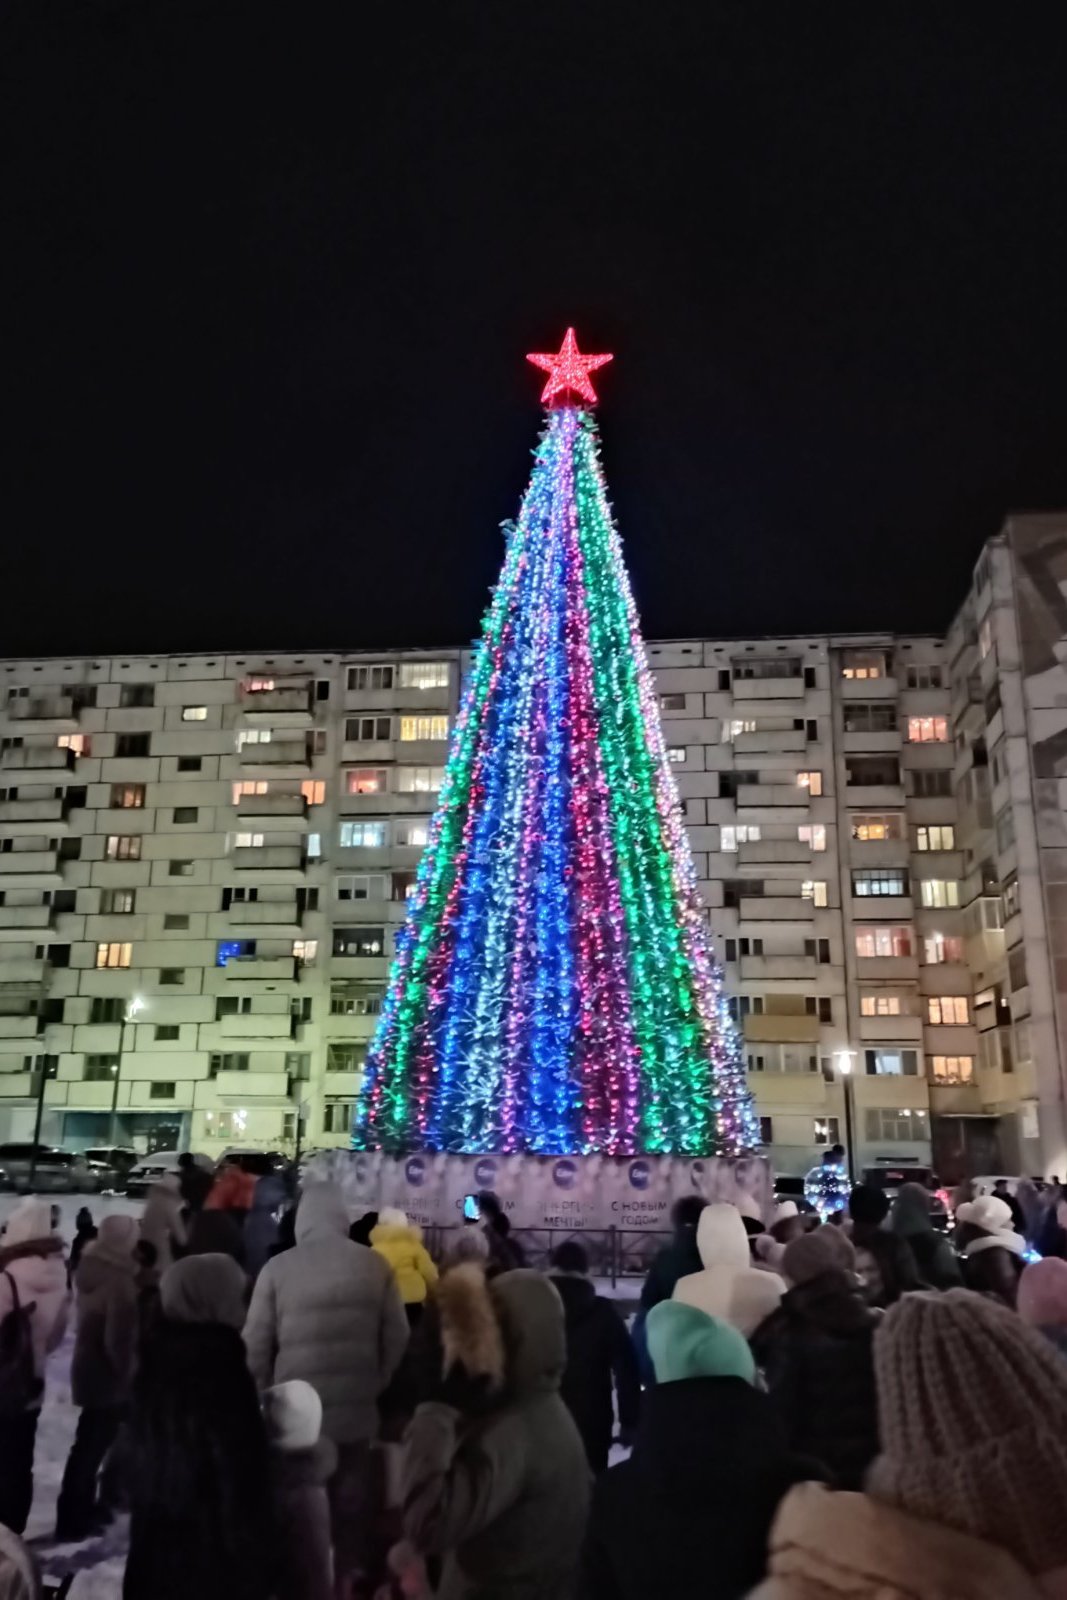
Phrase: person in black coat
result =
(816, 1352)
(678, 1259)
(689, 1514)
(884, 1261)
(599, 1353)
(200, 1525)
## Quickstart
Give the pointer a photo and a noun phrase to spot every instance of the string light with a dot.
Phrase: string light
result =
(553, 989)
(568, 371)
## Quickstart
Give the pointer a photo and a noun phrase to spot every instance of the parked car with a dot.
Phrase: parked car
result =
(786, 1188)
(258, 1162)
(892, 1177)
(52, 1172)
(149, 1170)
(110, 1165)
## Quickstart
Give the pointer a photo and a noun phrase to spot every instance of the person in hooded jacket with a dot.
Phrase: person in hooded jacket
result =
(163, 1222)
(910, 1220)
(729, 1286)
(301, 1465)
(693, 1505)
(399, 1242)
(599, 1354)
(816, 1353)
(264, 1221)
(884, 1261)
(33, 1278)
(678, 1259)
(328, 1311)
(963, 1501)
(101, 1374)
(495, 1479)
(201, 1521)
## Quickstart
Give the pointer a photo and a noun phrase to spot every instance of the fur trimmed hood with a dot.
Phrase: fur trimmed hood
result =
(470, 1329)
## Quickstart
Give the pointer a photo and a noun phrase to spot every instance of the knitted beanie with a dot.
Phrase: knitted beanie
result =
(972, 1411)
(684, 1342)
(826, 1249)
(1042, 1300)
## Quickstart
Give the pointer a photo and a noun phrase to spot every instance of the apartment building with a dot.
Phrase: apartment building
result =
(203, 861)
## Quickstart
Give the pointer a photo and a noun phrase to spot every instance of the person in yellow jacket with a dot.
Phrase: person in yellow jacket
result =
(400, 1243)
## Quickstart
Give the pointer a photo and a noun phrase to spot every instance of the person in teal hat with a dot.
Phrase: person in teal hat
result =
(690, 1512)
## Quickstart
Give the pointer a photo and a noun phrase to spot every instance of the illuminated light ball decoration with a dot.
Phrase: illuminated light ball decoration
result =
(827, 1188)
(553, 989)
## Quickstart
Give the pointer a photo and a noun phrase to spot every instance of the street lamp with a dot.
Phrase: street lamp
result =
(844, 1067)
(134, 1006)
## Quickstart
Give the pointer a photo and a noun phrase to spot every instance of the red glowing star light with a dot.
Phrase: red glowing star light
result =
(568, 370)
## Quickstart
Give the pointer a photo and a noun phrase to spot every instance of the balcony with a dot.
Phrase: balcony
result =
(770, 740)
(350, 1027)
(775, 908)
(874, 796)
(751, 851)
(28, 969)
(23, 1026)
(788, 799)
(882, 907)
(49, 710)
(265, 968)
(894, 1030)
(264, 915)
(253, 1088)
(284, 707)
(796, 1028)
(869, 688)
(882, 742)
(274, 1025)
(24, 916)
(293, 808)
(47, 763)
(887, 968)
(769, 688)
(276, 756)
(53, 812)
(25, 869)
(755, 968)
(267, 861)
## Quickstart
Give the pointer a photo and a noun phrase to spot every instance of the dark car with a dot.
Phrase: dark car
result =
(892, 1176)
(111, 1165)
(48, 1171)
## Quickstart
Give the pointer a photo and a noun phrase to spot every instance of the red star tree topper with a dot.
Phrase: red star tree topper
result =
(568, 371)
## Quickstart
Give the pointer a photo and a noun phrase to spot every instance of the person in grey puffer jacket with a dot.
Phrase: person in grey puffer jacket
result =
(495, 1477)
(329, 1312)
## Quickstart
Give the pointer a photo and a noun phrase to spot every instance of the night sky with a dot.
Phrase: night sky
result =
(269, 272)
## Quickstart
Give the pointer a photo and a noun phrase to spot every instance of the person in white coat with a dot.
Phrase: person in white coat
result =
(729, 1287)
(33, 1280)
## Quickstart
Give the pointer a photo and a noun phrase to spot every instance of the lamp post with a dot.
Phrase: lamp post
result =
(844, 1067)
(134, 1006)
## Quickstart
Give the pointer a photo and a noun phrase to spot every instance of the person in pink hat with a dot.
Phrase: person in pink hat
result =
(1042, 1299)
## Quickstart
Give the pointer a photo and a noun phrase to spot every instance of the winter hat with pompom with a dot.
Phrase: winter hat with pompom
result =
(972, 1412)
(293, 1414)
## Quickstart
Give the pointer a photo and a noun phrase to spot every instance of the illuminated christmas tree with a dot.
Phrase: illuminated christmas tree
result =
(553, 989)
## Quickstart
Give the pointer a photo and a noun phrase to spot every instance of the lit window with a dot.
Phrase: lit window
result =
(735, 726)
(116, 902)
(864, 664)
(731, 834)
(867, 829)
(949, 1010)
(314, 846)
(879, 881)
(123, 847)
(952, 1069)
(939, 892)
(362, 835)
(891, 1062)
(412, 727)
(927, 730)
(247, 841)
(811, 781)
(419, 780)
(939, 837)
(825, 1130)
(873, 943)
(305, 950)
(812, 834)
(814, 889)
(676, 754)
(245, 786)
(253, 736)
(194, 713)
(359, 941)
(896, 1125)
(880, 1005)
(366, 780)
(424, 675)
(114, 955)
(258, 685)
(985, 637)
(413, 833)
(939, 947)
(314, 791)
(80, 743)
(127, 796)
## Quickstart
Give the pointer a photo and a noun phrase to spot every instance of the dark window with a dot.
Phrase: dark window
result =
(162, 1091)
(322, 689)
(186, 813)
(932, 784)
(766, 1130)
(731, 950)
(133, 744)
(167, 1032)
(190, 763)
(106, 1008)
(879, 771)
(100, 1068)
(58, 955)
(229, 1061)
(729, 782)
(137, 694)
(180, 869)
(359, 941)
(826, 1008)
(809, 677)
(724, 678)
(172, 975)
(174, 920)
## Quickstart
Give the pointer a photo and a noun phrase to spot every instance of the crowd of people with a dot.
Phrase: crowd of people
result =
(294, 1406)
